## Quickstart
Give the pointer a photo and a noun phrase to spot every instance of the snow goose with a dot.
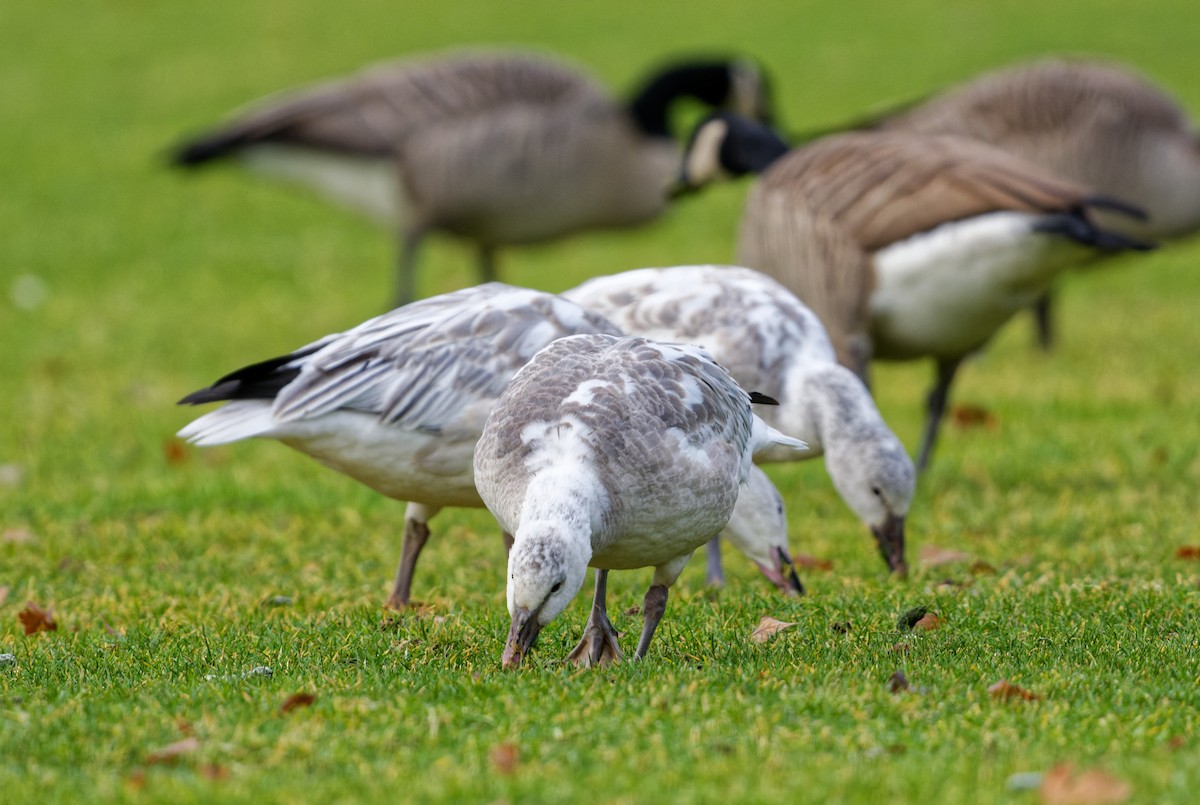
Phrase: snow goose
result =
(497, 148)
(769, 341)
(1096, 123)
(905, 246)
(616, 453)
(398, 403)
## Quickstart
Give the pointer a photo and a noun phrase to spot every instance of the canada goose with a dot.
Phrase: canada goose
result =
(1100, 124)
(905, 246)
(617, 453)
(398, 402)
(769, 341)
(497, 148)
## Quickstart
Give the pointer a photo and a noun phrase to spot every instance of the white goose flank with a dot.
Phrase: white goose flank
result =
(616, 453)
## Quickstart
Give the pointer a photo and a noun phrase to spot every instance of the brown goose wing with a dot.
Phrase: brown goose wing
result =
(372, 113)
(816, 259)
(885, 187)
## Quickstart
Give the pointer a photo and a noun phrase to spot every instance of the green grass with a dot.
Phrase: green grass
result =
(158, 571)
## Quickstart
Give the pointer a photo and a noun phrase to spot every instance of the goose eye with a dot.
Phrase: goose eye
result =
(876, 491)
(556, 587)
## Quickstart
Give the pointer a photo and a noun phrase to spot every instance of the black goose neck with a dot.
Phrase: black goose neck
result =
(707, 82)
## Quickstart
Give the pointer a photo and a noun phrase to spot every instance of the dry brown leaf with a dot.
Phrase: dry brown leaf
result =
(172, 752)
(934, 555)
(35, 619)
(175, 452)
(972, 416)
(898, 682)
(811, 562)
(505, 757)
(136, 780)
(18, 536)
(928, 622)
(982, 568)
(1007, 691)
(3, 594)
(767, 628)
(1063, 786)
(1188, 552)
(633, 610)
(297, 700)
(900, 648)
(213, 772)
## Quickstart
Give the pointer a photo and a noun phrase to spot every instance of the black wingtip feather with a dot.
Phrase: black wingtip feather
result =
(1100, 201)
(205, 149)
(258, 381)
(1076, 226)
(761, 399)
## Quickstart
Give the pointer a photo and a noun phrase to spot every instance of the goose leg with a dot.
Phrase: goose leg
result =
(653, 607)
(487, 263)
(937, 408)
(599, 643)
(716, 573)
(1043, 320)
(416, 534)
(406, 278)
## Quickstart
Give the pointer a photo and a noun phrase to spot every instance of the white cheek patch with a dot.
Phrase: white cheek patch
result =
(703, 161)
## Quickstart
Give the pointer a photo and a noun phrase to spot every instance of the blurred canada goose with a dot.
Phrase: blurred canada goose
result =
(617, 453)
(398, 402)
(905, 246)
(496, 148)
(1102, 125)
(769, 340)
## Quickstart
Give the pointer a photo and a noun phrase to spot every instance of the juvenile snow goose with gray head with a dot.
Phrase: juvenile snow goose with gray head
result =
(616, 453)
(769, 341)
(905, 246)
(398, 403)
(1100, 124)
(497, 148)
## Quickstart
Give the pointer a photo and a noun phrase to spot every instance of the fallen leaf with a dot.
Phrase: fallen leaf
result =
(172, 752)
(1063, 786)
(35, 619)
(633, 610)
(505, 757)
(3, 594)
(213, 772)
(909, 619)
(933, 555)
(982, 568)
(811, 562)
(898, 682)
(175, 452)
(1007, 691)
(18, 536)
(297, 700)
(900, 648)
(972, 416)
(136, 780)
(928, 622)
(767, 628)
(1188, 552)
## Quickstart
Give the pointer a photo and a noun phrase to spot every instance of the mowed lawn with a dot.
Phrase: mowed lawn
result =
(1068, 485)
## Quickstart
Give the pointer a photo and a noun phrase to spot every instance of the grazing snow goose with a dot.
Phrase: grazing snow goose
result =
(905, 246)
(769, 341)
(497, 148)
(616, 453)
(398, 403)
(1096, 123)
